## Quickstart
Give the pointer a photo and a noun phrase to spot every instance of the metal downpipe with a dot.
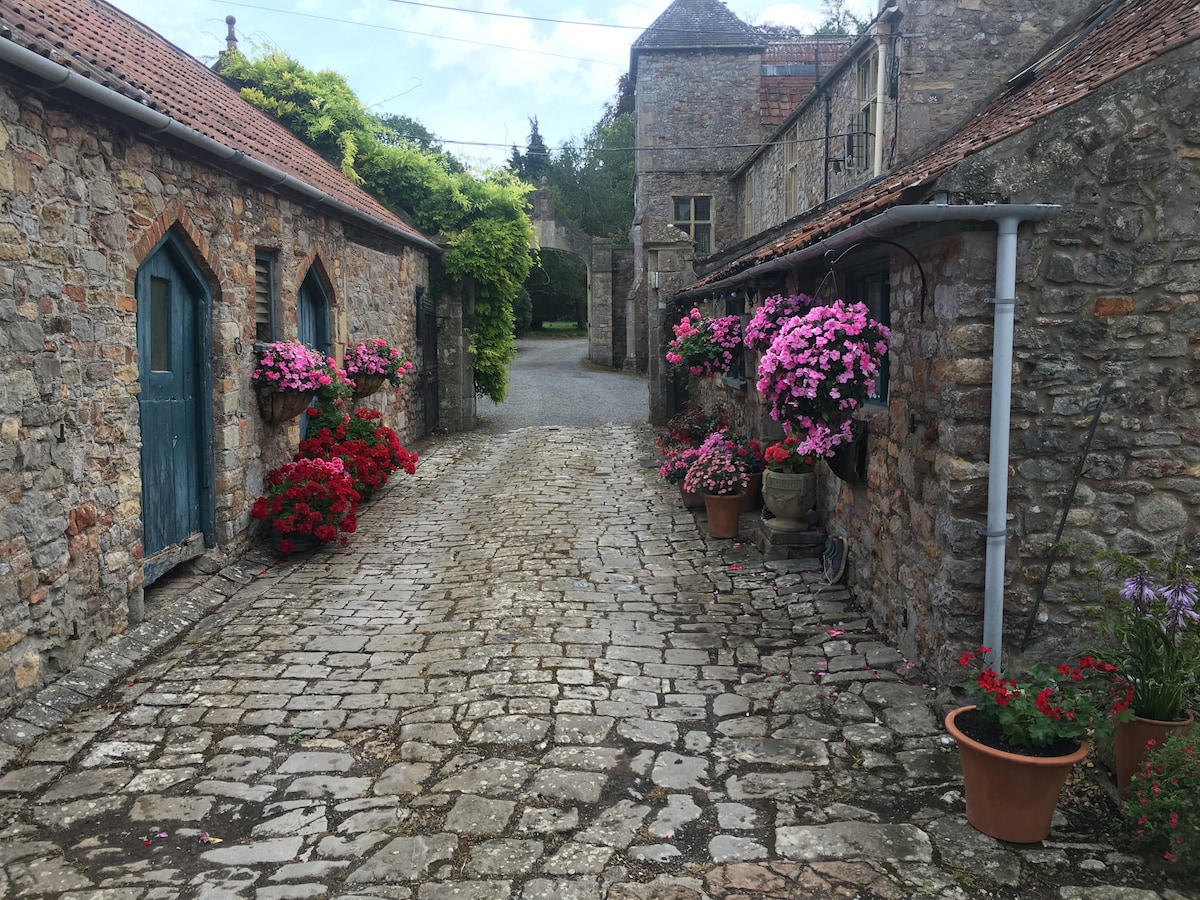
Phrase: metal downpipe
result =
(997, 510)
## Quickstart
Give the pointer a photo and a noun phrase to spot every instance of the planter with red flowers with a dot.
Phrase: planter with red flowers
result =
(306, 501)
(1020, 739)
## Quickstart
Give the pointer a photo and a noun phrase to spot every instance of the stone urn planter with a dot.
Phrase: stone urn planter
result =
(789, 496)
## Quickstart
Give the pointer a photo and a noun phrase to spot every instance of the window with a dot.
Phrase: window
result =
(791, 173)
(694, 216)
(264, 296)
(860, 141)
(872, 288)
(748, 227)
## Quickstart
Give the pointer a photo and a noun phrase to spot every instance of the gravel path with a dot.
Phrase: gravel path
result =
(552, 383)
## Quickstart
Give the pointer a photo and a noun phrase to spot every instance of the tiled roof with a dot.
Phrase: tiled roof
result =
(778, 95)
(104, 45)
(687, 24)
(791, 69)
(1090, 56)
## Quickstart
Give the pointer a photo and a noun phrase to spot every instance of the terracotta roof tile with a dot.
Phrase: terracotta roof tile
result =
(1135, 33)
(103, 44)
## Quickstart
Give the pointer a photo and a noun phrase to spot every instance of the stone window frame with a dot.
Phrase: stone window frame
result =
(698, 228)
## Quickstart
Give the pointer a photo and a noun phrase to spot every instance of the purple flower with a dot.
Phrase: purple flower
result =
(1180, 597)
(1140, 591)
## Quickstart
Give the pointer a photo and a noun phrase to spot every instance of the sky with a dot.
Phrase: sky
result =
(473, 79)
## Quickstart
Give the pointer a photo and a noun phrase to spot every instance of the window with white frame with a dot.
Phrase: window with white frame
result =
(694, 216)
(748, 204)
(860, 140)
(791, 173)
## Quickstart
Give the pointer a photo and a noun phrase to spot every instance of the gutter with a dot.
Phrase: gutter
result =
(1008, 218)
(159, 124)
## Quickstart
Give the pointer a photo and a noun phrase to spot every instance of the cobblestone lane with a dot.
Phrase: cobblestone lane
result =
(529, 675)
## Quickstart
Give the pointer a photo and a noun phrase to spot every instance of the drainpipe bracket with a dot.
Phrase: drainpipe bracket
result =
(998, 301)
(993, 534)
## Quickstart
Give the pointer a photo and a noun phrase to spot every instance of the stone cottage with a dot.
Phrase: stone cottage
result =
(153, 228)
(1013, 187)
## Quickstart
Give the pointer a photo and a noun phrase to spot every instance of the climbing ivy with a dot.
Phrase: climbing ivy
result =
(481, 219)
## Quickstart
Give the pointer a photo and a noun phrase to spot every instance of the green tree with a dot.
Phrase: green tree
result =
(535, 162)
(481, 220)
(839, 19)
(557, 288)
(593, 181)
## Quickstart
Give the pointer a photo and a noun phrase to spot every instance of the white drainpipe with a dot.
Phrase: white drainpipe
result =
(881, 41)
(996, 533)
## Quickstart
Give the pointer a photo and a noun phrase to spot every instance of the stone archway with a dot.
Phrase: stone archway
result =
(607, 277)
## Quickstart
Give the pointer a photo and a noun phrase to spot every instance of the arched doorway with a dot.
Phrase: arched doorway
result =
(175, 404)
(312, 321)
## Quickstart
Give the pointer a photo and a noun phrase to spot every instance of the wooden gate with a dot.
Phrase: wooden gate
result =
(427, 335)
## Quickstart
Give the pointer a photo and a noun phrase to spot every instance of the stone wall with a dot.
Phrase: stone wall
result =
(81, 204)
(954, 54)
(696, 111)
(1107, 294)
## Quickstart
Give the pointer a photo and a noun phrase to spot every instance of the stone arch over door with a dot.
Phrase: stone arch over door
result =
(606, 318)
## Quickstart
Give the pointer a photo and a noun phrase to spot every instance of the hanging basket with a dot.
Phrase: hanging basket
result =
(280, 406)
(366, 385)
(849, 460)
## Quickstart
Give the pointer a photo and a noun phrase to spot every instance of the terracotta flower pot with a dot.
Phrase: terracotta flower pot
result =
(1009, 796)
(723, 512)
(1129, 745)
(690, 500)
(753, 491)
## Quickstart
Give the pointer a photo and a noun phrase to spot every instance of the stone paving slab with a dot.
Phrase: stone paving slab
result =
(529, 675)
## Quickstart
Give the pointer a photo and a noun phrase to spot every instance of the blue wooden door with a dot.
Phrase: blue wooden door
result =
(312, 322)
(175, 473)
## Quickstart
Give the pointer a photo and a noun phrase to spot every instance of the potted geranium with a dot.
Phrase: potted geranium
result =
(287, 378)
(704, 345)
(1163, 810)
(719, 475)
(1019, 740)
(679, 442)
(789, 487)
(768, 319)
(370, 450)
(819, 370)
(308, 501)
(372, 363)
(1154, 636)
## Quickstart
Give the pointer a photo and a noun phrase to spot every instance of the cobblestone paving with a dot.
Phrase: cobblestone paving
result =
(529, 675)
